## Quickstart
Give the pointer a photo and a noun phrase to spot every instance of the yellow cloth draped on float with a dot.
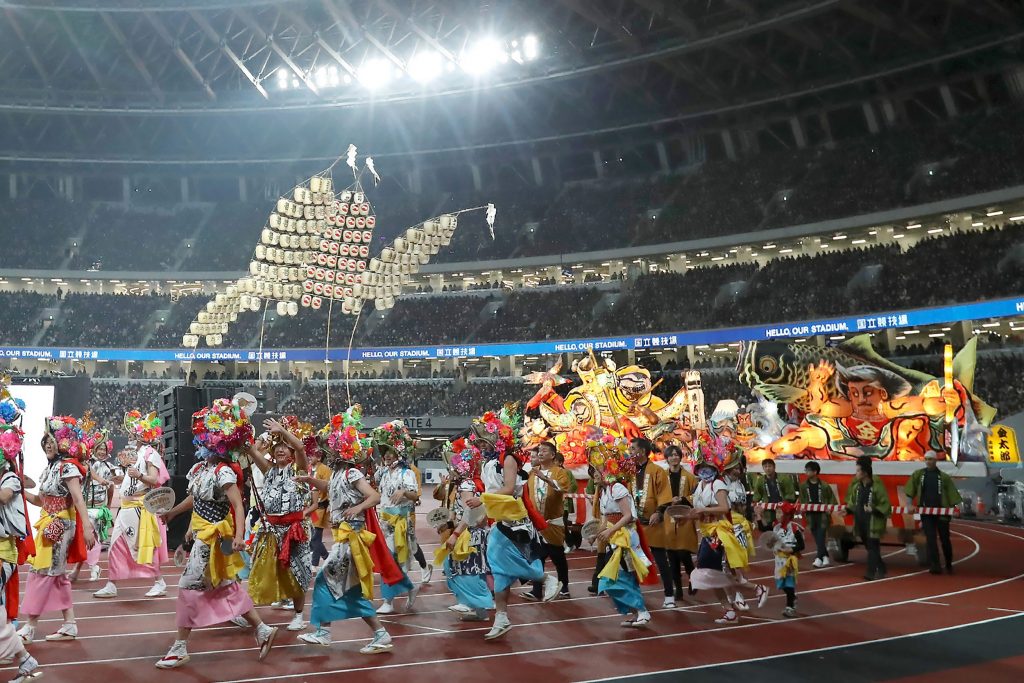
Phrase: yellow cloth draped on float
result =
(222, 567)
(460, 553)
(43, 559)
(359, 546)
(400, 523)
(149, 531)
(620, 541)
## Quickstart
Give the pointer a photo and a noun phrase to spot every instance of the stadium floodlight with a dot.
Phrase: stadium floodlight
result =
(531, 47)
(374, 73)
(426, 66)
(322, 78)
(282, 78)
(483, 56)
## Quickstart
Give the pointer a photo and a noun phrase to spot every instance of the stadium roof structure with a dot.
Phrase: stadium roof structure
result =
(261, 81)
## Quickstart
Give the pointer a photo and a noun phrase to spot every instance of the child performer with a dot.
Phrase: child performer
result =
(209, 592)
(463, 553)
(344, 586)
(789, 543)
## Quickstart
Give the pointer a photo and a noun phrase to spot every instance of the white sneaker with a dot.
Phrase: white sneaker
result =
(817, 563)
(68, 631)
(669, 603)
(500, 627)
(762, 596)
(381, 643)
(108, 591)
(321, 636)
(158, 590)
(427, 574)
(265, 636)
(551, 588)
(640, 621)
(175, 657)
(460, 608)
(240, 622)
(297, 624)
(825, 562)
(94, 573)
(412, 598)
(386, 608)
(27, 634)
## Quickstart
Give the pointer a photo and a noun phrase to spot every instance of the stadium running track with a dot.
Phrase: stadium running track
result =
(845, 625)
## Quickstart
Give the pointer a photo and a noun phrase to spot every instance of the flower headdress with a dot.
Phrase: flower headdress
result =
(12, 438)
(340, 439)
(144, 428)
(93, 436)
(222, 428)
(716, 452)
(492, 436)
(66, 432)
(463, 458)
(394, 436)
(301, 430)
(609, 455)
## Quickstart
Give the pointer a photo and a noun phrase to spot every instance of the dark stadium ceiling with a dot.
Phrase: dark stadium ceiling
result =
(225, 80)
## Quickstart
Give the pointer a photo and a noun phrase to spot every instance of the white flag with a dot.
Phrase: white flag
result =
(351, 157)
(373, 171)
(491, 213)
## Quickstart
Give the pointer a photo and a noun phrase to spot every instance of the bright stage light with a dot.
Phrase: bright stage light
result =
(374, 73)
(426, 66)
(483, 56)
(531, 47)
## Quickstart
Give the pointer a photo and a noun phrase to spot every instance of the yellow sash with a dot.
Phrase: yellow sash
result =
(43, 558)
(460, 553)
(149, 532)
(9, 550)
(735, 553)
(359, 546)
(502, 508)
(221, 568)
(400, 523)
(789, 567)
(621, 542)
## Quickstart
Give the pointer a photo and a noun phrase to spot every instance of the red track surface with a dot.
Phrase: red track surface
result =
(568, 640)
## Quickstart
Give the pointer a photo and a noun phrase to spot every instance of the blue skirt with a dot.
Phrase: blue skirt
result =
(326, 608)
(471, 590)
(389, 593)
(624, 592)
(508, 564)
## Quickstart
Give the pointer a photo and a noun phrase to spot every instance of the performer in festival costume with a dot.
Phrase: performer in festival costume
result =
(722, 550)
(463, 551)
(513, 546)
(208, 590)
(13, 533)
(63, 532)
(281, 558)
(787, 544)
(344, 586)
(398, 493)
(138, 545)
(628, 565)
(98, 490)
(547, 485)
(673, 541)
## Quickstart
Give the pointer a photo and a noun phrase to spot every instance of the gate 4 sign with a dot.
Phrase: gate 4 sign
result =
(1002, 445)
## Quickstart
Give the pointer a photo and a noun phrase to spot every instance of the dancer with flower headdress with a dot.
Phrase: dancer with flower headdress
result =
(63, 532)
(513, 544)
(282, 565)
(726, 545)
(13, 532)
(98, 490)
(208, 591)
(344, 586)
(627, 563)
(463, 553)
(138, 545)
(399, 492)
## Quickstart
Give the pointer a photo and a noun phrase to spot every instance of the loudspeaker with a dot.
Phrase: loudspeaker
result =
(178, 527)
(211, 394)
(177, 405)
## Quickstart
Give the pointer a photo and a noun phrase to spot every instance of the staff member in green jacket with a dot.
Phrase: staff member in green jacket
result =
(771, 488)
(815, 491)
(868, 502)
(929, 487)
